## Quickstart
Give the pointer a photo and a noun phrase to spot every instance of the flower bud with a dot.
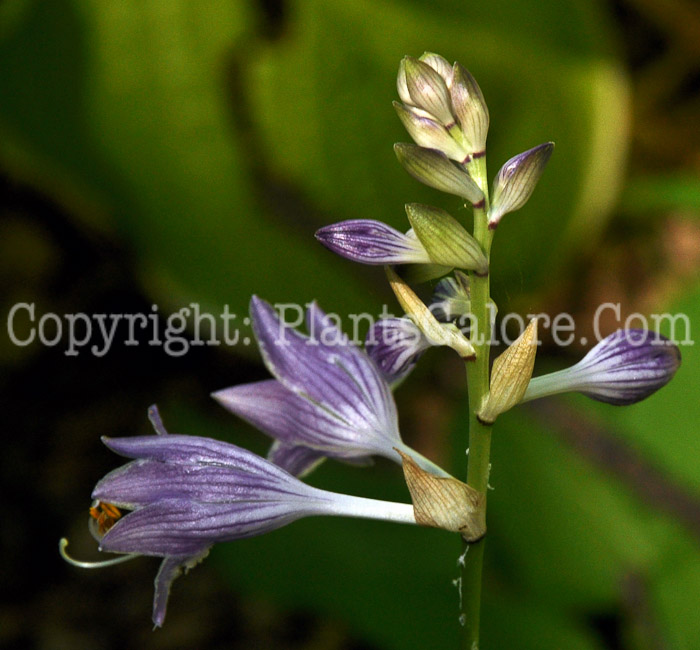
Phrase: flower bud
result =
(372, 242)
(516, 181)
(428, 91)
(451, 297)
(471, 110)
(436, 333)
(624, 368)
(434, 168)
(447, 243)
(444, 502)
(440, 64)
(510, 375)
(429, 133)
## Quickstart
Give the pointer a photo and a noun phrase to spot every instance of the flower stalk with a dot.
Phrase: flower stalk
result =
(479, 454)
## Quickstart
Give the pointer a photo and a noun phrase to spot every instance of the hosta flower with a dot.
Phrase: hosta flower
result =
(184, 493)
(395, 345)
(327, 399)
(624, 368)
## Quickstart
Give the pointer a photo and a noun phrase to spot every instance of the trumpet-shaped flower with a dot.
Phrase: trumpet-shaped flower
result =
(328, 397)
(624, 368)
(186, 493)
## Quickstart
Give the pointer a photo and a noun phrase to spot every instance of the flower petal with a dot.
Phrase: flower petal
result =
(298, 460)
(295, 420)
(395, 345)
(339, 377)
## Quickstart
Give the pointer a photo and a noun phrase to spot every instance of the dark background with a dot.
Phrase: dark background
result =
(169, 152)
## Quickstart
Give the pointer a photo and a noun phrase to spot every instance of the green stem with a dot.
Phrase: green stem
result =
(478, 465)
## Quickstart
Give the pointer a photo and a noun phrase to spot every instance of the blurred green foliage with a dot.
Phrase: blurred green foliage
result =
(212, 138)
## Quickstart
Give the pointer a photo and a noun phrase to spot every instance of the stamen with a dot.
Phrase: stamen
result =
(63, 543)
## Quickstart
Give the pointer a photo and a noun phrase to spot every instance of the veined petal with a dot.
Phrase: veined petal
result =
(170, 569)
(295, 420)
(624, 368)
(372, 242)
(298, 460)
(395, 345)
(339, 378)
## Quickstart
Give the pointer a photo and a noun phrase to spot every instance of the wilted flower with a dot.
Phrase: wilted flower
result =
(327, 399)
(624, 368)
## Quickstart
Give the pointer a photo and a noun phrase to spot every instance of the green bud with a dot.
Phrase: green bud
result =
(428, 90)
(436, 170)
(440, 64)
(426, 132)
(516, 181)
(446, 241)
(471, 110)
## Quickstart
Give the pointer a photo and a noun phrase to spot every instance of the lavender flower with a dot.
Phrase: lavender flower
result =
(624, 368)
(186, 493)
(395, 345)
(327, 399)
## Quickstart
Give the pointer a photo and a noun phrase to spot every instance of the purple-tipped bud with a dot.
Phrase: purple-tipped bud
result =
(624, 368)
(372, 242)
(516, 181)
(395, 345)
(435, 169)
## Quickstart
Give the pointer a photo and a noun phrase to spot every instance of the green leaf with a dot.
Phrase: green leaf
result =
(562, 527)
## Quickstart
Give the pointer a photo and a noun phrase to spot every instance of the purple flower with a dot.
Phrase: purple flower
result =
(372, 242)
(624, 368)
(186, 493)
(395, 345)
(327, 399)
